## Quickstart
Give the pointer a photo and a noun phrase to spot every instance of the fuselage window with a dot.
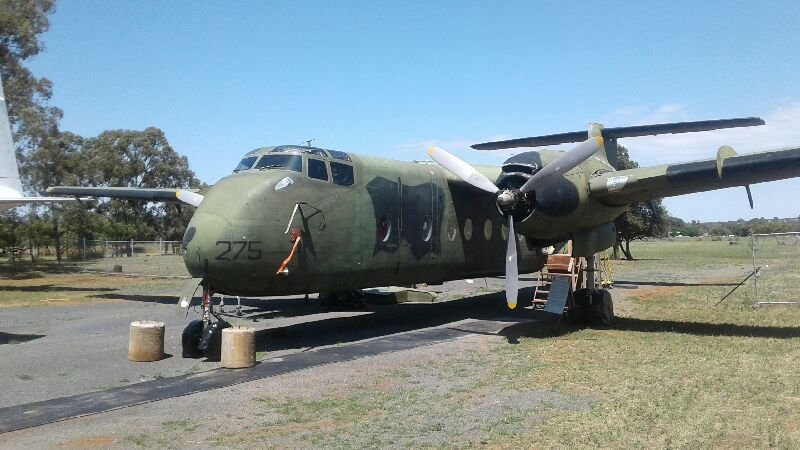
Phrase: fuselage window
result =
(246, 163)
(317, 169)
(452, 229)
(487, 229)
(339, 155)
(342, 174)
(427, 228)
(285, 162)
(468, 229)
(384, 230)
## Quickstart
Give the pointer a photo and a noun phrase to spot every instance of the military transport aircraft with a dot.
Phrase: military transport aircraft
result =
(295, 220)
(11, 194)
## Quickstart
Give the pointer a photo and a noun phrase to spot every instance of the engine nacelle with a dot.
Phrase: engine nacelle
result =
(594, 240)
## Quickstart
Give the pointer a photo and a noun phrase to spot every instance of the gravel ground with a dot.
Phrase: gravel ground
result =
(56, 351)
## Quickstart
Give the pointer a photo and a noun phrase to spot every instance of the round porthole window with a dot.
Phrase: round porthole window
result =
(468, 229)
(452, 229)
(427, 228)
(384, 229)
(487, 229)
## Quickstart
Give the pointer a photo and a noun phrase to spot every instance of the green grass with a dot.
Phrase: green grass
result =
(674, 371)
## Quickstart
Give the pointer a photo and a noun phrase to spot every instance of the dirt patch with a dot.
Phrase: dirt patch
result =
(93, 442)
(656, 292)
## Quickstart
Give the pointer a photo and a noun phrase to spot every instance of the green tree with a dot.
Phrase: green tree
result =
(144, 158)
(33, 120)
(645, 219)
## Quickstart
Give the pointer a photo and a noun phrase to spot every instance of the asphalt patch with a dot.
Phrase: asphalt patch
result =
(39, 413)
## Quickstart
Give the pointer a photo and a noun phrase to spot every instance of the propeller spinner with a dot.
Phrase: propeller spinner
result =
(508, 199)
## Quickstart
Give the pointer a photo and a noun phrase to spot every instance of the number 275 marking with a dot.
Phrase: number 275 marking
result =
(233, 250)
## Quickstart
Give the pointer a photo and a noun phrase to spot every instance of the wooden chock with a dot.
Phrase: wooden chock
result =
(146, 342)
(238, 348)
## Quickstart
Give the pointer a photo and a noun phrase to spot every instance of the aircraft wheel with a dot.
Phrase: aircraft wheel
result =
(211, 343)
(580, 306)
(190, 340)
(606, 313)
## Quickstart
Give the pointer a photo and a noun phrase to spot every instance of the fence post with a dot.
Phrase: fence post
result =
(133, 253)
(84, 249)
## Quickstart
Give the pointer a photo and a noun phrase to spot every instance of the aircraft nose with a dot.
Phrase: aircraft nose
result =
(200, 241)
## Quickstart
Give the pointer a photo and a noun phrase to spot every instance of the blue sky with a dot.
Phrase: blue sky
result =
(389, 78)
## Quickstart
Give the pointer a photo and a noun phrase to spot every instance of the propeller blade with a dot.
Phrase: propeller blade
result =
(512, 272)
(563, 164)
(189, 197)
(461, 169)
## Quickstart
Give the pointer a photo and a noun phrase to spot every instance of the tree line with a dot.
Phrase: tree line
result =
(49, 156)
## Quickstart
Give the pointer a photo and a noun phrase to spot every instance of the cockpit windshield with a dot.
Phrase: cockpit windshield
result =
(281, 161)
(246, 163)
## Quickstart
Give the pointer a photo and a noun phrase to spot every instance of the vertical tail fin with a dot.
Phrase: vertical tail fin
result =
(10, 184)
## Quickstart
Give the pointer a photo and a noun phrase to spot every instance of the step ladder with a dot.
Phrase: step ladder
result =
(559, 267)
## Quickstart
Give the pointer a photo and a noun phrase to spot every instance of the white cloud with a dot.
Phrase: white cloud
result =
(782, 130)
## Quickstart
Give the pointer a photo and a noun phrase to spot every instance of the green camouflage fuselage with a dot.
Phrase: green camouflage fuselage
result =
(398, 223)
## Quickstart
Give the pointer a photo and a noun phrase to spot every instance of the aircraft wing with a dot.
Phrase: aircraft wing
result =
(727, 170)
(188, 196)
(13, 202)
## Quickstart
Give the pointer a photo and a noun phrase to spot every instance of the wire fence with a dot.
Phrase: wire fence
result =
(145, 258)
(776, 260)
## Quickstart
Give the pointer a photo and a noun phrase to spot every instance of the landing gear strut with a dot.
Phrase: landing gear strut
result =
(204, 337)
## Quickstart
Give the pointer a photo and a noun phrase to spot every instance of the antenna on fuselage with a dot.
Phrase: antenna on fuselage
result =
(308, 142)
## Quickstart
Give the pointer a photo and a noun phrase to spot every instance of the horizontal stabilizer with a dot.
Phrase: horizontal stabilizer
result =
(622, 132)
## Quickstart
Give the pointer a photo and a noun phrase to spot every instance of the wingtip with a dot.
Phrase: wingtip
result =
(431, 150)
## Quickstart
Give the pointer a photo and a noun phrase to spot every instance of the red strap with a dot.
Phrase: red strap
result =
(291, 254)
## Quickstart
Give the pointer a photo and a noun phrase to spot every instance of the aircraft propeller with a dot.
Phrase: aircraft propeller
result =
(508, 199)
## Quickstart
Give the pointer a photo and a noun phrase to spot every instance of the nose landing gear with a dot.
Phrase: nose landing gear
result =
(204, 337)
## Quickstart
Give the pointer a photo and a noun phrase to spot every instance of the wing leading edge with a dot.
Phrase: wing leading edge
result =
(727, 170)
(188, 196)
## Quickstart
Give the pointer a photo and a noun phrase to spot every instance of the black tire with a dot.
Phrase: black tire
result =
(212, 340)
(190, 340)
(606, 314)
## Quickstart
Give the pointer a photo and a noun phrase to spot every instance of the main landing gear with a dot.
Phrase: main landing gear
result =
(572, 286)
(593, 306)
(204, 337)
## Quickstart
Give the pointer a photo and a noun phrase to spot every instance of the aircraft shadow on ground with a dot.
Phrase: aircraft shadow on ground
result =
(704, 329)
(382, 320)
(626, 283)
(52, 287)
(13, 338)
(253, 308)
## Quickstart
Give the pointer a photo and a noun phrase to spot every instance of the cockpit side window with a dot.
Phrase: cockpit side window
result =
(280, 161)
(339, 155)
(317, 169)
(246, 163)
(342, 174)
